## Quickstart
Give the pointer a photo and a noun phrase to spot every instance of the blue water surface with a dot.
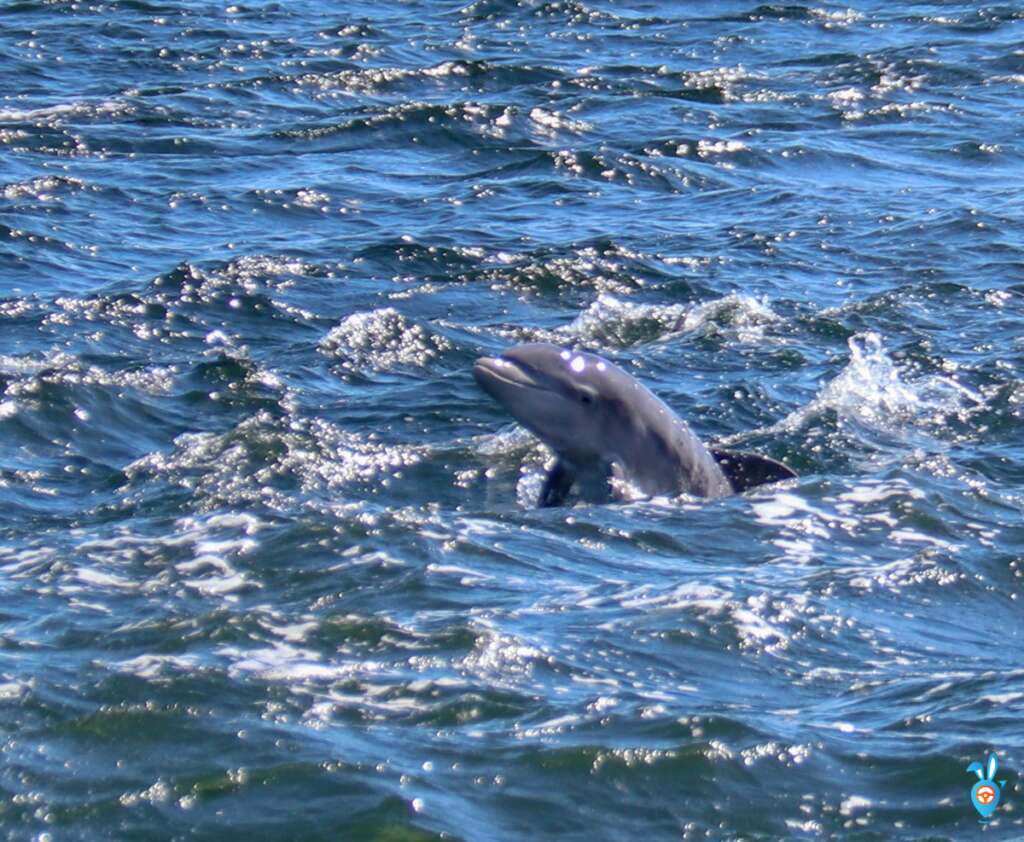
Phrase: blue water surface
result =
(270, 566)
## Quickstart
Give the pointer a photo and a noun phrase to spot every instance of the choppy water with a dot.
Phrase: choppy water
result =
(268, 561)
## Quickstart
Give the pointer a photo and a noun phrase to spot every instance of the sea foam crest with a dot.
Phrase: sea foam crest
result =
(742, 315)
(873, 391)
(612, 321)
(382, 339)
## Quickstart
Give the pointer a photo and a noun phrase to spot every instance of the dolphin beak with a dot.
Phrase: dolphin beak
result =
(490, 372)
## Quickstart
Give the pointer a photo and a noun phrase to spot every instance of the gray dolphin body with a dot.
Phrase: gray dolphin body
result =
(609, 431)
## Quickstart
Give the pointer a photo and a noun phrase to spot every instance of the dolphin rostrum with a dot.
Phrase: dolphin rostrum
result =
(610, 433)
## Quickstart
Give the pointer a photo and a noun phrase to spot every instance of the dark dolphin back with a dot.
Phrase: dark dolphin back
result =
(748, 470)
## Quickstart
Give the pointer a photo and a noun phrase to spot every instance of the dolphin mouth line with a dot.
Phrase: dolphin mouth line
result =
(506, 371)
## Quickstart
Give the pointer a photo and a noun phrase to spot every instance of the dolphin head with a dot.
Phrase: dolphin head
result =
(610, 432)
(576, 402)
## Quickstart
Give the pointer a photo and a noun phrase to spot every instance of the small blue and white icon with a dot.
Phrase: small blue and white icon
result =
(985, 793)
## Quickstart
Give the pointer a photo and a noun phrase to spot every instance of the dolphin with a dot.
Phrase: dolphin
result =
(611, 435)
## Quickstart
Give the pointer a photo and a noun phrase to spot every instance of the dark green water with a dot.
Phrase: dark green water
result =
(269, 564)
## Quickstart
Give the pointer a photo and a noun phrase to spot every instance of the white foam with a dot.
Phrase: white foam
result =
(875, 491)
(153, 666)
(902, 535)
(873, 391)
(382, 339)
(853, 802)
(741, 315)
(551, 122)
(610, 319)
(12, 690)
(1001, 698)
(92, 576)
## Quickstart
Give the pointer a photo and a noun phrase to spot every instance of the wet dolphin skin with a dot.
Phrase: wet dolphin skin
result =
(606, 428)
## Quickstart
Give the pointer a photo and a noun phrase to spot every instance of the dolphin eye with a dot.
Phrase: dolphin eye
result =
(586, 398)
